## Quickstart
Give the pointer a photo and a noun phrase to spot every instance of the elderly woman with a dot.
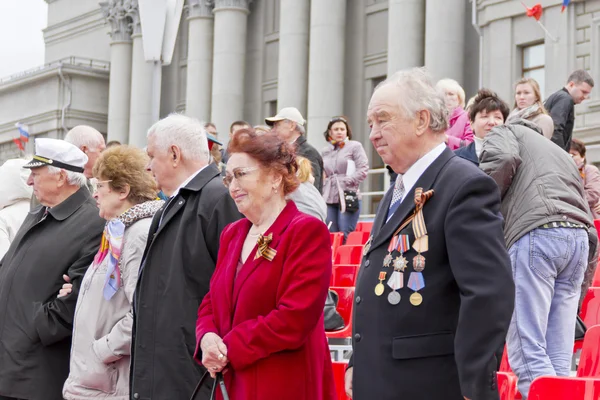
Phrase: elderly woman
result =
(459, 133)
(15, 195)
(262, 319)
(529, 106)
(346, 165)
(100, 351)
(589, 174)
(487, 111)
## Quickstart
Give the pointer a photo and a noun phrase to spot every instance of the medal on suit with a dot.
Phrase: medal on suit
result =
(396, 280)
(416, 280)
(387, 261)
(379, 289)
(367, 246)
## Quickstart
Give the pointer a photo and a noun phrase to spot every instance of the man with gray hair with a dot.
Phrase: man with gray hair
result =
(90, 141)
(289, 126)
(56, 242)
(180, 257)
(435, 294)
(561, 106)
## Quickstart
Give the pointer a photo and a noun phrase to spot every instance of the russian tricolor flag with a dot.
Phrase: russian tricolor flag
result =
(565, 4)
(23, 132)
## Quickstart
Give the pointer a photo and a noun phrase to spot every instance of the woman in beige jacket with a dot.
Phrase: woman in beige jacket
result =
(100, 351)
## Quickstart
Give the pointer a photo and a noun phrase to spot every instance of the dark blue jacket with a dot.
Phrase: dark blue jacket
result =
(468, 153)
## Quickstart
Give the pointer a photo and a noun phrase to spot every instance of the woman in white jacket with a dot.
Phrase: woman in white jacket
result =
(15, 196)
(100, 350)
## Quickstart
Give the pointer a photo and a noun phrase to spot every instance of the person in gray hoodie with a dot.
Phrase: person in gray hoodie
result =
(549, 234)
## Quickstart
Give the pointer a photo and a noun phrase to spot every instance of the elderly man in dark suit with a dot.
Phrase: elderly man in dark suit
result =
(58, 238)
(178, 261)
(435, 294)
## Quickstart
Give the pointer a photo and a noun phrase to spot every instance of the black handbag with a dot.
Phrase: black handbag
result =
(580, 329)
(219, 381)
(351, 199)
(333, 319)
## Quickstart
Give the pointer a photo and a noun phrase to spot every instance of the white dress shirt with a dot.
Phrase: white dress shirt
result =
(413, 174)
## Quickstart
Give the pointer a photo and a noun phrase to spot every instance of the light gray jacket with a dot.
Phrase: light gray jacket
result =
(101, 343)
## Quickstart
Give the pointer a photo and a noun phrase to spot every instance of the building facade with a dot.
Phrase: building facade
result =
(245, 59)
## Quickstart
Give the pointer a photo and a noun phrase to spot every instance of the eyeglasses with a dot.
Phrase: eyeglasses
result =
(238, 174)
(96, 184)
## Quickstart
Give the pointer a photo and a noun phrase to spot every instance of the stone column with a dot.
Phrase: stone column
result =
(292, 76)
(406, 34)
(199, 60)
(140, 113)
(445, 38)
(119, 91)
(229, 57)
(326, 66)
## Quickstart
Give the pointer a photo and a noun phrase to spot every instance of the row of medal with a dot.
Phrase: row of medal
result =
(416, 282)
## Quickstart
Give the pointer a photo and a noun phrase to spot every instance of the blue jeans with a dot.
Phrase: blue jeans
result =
(548, 267)
(342, 222)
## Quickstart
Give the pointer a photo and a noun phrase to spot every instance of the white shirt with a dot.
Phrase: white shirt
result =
(478, 145)
(188, 180)
(413, 174)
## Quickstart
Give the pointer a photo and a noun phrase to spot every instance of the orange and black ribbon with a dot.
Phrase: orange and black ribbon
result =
(263, 247)
(420, 200)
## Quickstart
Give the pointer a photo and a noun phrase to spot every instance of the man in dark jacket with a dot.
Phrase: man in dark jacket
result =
(178, 261)
(549, 235)
(60, 237)
(434, 294)
(561, 106)
(289, 125)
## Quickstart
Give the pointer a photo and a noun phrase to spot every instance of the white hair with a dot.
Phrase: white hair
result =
(416, 92)
(184, 132)
(451, 84)
(300, 129)
(73, 178)
(83, 135)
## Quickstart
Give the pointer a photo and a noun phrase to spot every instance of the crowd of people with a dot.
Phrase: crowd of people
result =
(131, 273)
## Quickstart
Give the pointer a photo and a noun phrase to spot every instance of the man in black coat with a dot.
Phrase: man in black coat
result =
(178, 262)
(434, 295)
(561, 106)
(289, 125)
(59, 237)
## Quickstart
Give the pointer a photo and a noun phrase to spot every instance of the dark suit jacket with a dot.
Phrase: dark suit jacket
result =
(270, 315)
(443, 348)
(174, 276)
(468, 153)
(307, 151)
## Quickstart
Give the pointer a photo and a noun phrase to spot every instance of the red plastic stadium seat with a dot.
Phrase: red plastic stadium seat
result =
(507, 385)
(364, 227)
(590, 309)
(504, 365)
(561, 388)
(589, 362)
(346, 300)
(357, 238)
(349, 255)
(344, 275)
(597, 226)
(339, 372)
(337, 239)
(596, 281)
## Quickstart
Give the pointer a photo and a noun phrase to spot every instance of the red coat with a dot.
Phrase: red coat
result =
(271, 315)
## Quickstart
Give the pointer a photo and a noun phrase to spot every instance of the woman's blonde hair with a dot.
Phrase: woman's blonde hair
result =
(536, 90)
(304, 169)
(451, 84)
(124, 165)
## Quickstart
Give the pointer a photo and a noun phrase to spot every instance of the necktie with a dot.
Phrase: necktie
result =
(396, 197)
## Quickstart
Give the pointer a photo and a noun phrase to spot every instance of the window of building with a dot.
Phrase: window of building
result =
(534, 63)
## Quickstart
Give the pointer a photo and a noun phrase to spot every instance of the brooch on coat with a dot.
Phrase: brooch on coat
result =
(263, 247)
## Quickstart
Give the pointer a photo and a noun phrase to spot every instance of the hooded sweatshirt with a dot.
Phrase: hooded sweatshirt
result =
(15, 195)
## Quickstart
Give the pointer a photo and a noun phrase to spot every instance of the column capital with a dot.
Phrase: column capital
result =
(115, 13)
(200, 8)
(243, 5)
(133, 12)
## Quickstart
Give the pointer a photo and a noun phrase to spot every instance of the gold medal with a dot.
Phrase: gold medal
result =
(416, 299)
(379, 288)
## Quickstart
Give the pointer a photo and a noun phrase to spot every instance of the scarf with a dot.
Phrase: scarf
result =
(112, 243)
(338, 145)
(525, 113)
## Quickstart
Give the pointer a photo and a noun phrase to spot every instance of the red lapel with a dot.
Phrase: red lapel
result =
(277, 229)
(233, 256)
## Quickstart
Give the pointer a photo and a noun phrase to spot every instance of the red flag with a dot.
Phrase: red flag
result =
(19, 144)
(535, 12)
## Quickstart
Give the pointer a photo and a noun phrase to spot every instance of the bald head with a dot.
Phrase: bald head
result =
(90, 141)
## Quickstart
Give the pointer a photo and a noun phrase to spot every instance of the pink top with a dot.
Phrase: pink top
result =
(459, 133)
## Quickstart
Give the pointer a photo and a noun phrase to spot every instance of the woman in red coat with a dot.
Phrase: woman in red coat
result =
(262, 320)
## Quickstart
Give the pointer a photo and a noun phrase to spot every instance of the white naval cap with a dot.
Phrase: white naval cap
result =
(59, 154)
